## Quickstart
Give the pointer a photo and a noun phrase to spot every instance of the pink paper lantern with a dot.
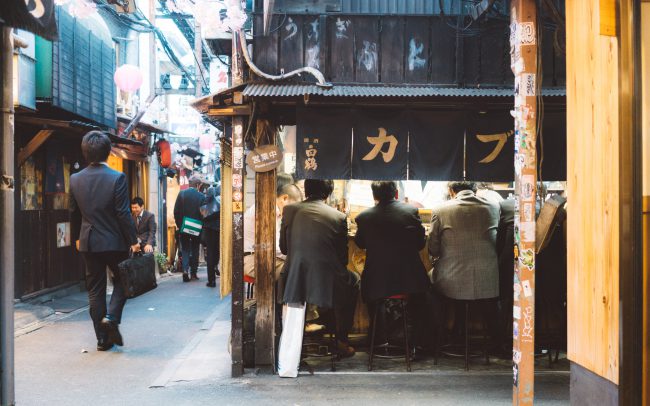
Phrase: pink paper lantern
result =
(205, 141)
(128, 78)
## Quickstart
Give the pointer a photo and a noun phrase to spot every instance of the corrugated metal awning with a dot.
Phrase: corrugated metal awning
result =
(296, 90)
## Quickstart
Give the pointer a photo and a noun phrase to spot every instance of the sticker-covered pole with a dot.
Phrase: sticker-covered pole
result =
(237, 342)
(523, 49)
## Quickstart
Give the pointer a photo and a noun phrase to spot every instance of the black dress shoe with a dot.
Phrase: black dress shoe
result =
(211, 284)
(195, 277)
(186, 277)
(112, 332)
(104, 345)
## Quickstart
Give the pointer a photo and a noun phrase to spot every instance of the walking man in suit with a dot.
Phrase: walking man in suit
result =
(145, 224)
(99, 201)
(188, 205)
(314, 237)
(392, 234)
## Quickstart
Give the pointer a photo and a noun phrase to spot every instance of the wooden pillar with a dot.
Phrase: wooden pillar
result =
(265, 215)
(237, 318)
(523, 46)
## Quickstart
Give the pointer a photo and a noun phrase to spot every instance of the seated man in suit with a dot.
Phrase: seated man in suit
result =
(145, 224)
(314, 237)
(392, 234)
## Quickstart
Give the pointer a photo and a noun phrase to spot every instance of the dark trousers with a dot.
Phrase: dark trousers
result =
(212, 253)
(344, 308)
(418, 318)
(96, 264)
(190, 252)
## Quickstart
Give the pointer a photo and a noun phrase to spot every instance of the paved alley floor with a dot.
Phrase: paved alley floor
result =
(176, 353)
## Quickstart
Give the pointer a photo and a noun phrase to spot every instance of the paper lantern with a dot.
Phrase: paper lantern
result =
(205, 141)
(128, 78)
(164, 154)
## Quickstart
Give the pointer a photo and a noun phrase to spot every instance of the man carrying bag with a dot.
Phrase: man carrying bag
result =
(187, 215)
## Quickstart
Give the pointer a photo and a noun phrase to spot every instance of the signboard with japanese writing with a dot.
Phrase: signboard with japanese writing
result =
(35, 16)
(436, 145)
(380, 150)
(323, 144)
(264, 158)
(490, 146)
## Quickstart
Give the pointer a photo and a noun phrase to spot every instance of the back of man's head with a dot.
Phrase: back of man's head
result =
(459, 186)
(281, 181)
(292, 191)
(318, 189)
(95, 147)
(384, 191)
(195, 181)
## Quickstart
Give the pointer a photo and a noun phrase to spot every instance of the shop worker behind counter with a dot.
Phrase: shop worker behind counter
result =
(314, 237)
(188, 204)
(99, 201)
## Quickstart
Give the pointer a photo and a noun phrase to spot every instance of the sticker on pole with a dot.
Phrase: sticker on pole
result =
(526, 33)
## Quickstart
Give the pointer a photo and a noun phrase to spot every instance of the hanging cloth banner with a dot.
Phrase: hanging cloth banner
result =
(380, 150)
(490, 146)
(36, 16)
(323, 143)
(436, 145)
(553, 153)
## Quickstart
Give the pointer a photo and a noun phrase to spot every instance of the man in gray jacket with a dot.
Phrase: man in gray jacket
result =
(463, 240)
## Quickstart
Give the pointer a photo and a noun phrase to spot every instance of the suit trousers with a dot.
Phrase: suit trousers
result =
(190, 246)
(96, 264)
(212, 253)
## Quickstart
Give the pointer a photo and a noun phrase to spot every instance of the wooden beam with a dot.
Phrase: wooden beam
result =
(524, 45)
(265, 215)
(33, 145)
(229, 111)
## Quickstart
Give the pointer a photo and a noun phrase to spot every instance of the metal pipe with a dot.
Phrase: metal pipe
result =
(7, 236)
(307, 69)
(138, 116)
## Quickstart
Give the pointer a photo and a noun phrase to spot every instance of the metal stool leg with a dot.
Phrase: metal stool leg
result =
(485, 342)
(467, 336)
(372, 337)
(333, 341)
(407, 354)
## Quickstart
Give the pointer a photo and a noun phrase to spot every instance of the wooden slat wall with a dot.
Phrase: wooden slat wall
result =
(645, 82)
(592, 185)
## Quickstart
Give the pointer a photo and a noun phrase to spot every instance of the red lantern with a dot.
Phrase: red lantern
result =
(164, 154)
(128, 78)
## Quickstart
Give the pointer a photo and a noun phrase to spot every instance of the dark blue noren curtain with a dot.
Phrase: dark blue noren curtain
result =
(490, 146)
(35, 16)
(380, 150)
(436, 145)
(555, 155)
(323, 143)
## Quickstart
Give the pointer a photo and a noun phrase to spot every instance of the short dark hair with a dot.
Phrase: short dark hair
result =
(137, 200)
(292, 190)
(95, 146)
(282, 180)
(318, 189)
(384, 191)
(459, 186)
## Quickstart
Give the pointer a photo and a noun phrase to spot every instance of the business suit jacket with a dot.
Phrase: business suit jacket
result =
(213, 222)
(314, 237)
(146, 230)
(99, 200)
(463, 237)
(392, 235)
(187, 204)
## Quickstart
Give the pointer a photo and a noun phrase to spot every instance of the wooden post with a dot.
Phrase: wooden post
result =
(523, 47)
(237, 342)
(265, 215)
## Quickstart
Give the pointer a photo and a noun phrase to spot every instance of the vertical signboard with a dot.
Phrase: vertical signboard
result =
(523, 50)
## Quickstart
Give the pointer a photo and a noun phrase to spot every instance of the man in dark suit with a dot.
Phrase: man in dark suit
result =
(314, 237)
(99, 201)
(506, 258)
(392, 234)
(211, 226)
(145, 224)
(188, 205)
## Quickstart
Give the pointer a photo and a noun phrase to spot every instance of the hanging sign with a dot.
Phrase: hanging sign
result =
(264, 158)
(380, 150)
(36, 16)
(323, 144)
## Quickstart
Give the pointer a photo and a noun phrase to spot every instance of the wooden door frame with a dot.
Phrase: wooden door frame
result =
(630, 214)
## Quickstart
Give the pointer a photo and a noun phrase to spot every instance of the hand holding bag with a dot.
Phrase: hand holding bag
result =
(138, 274)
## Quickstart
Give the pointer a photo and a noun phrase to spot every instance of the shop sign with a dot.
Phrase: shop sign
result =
(264, 158)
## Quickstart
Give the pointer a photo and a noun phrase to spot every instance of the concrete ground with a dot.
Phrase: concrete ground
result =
(176, 353)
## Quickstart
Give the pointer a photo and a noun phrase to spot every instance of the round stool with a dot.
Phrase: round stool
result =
(407, 353)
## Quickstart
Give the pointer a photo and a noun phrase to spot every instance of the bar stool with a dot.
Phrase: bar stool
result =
(407, 353)
(249, 284)
(466, 348)
(313, 347)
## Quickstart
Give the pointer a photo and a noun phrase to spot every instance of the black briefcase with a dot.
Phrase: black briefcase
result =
(138, 274)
